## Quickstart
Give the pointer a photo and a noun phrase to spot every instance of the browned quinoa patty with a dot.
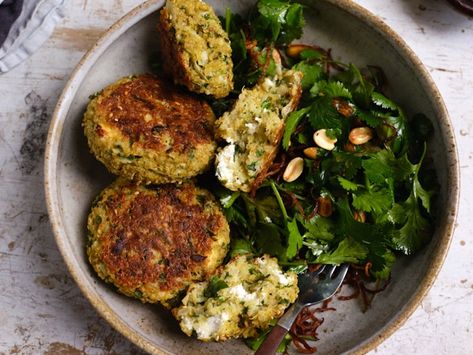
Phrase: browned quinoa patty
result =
(153, 241)
(195, 48)
(146, 129)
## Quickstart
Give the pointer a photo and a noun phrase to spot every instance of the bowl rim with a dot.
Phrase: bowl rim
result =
(148, 7)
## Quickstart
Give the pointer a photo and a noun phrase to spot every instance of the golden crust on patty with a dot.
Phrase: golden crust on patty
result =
(151, 242)
(146, 129)
(195, 49)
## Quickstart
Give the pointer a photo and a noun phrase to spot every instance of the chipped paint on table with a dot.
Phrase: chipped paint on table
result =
(41, 308)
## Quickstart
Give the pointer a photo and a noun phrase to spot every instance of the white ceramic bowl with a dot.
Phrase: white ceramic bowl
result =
(73, 177)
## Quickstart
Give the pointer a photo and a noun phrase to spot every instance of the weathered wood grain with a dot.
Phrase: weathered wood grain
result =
(43, 311)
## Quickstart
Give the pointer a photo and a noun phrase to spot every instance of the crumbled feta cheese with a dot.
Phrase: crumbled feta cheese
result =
(226, 164)
(252, 127)
(253, 297)
(241, 293)
(282, 278)
(268, 84)
(205, 329)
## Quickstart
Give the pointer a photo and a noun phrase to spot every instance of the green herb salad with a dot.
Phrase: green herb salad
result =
(350, 182)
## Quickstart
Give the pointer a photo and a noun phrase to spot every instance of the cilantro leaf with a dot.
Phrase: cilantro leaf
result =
(312, 73)
(341, 163)
(421, 193)
(294, 241)
(372, 236)
(378, 166)
(332, 89)
(323, 115)
(415, 230)
(369, 117)
(360, 88)
(311, 53)
(383, 165)
(347, 184)
(381, 270)
(277, 21)
(291, 124)
(318, 227)
(237, 217)
(400, 140)
(318, 231)
(382, 101)
(376, 200)
(347, 251)
(267, 209)
(268, 239)
(418, 191)
(215, 285)
(240, 246)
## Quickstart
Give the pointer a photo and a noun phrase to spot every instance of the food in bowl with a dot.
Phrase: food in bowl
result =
(241, 298)
(151, 242)
(345, 181)
(146, 129)
(195, 48)
(253, 129)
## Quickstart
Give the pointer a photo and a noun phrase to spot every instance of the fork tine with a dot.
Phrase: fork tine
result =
(330, 270)
(318, 271)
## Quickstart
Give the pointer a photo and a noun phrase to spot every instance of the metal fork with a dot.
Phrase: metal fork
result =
(314, 287)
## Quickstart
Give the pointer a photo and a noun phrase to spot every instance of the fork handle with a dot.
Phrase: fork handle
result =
(271, 343)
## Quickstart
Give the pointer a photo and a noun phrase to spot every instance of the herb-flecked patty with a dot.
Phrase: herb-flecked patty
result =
(152, 241)
(253, 130)
(195, 49)
(242, 297)
(146, 129)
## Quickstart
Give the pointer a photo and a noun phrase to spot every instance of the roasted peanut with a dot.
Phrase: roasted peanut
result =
(294, 50)
(324, 206)
(360, 135)
(311, 152)
(359, 216)
(324, 141)
(293, 170)
(344, 108)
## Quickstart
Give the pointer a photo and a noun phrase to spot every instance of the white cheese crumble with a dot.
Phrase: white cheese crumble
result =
(252, 127)
(205, 329)
(257, 292)
(282, 278)
(227, 164)
(241, 293)
(268, 84)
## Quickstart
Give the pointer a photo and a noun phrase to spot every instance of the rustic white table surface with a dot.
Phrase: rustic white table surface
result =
(41, 308)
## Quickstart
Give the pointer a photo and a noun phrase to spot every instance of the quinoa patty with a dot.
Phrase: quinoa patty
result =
(243, 296)
(146, 129)
(253, 130)
(152, 241)
(195, 48)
